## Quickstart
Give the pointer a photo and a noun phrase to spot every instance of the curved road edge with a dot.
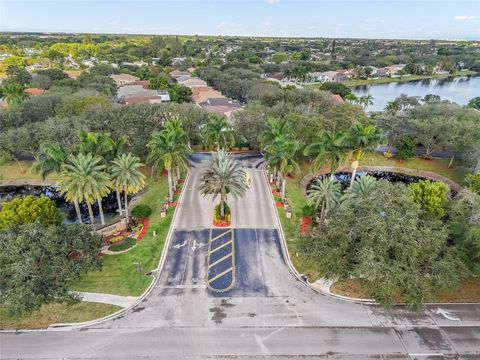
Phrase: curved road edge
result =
(154, 273)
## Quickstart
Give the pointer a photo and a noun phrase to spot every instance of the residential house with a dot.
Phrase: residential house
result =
(193, 82)
(177, 73)
(317, 76)
(383, 72)
(201, 94)
(341, 76)
(123, 79)
(330, 75)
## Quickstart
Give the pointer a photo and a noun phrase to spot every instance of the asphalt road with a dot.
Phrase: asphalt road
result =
(267, 313)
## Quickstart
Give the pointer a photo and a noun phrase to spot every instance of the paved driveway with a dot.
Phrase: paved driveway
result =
(257, 309)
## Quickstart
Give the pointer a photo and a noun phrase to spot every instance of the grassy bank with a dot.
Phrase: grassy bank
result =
(56, 313)
(119, 274)
(387, 80)
(21, 170)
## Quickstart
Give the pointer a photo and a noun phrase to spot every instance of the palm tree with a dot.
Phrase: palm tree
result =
(83, 178)
(359, 139)
(14, 93)
(167, 152)
(274, 129)
(281, 154)
(217, 133)
(174, 126)
(330, 148)
(324, 194)
(126, 176)
(51, 160)
(223, 177)
(366, 101)
(361, 186)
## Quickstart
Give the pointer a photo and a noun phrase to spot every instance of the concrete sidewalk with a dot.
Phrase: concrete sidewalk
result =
(122, 301)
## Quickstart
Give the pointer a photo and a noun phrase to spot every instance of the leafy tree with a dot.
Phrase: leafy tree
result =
(406, 149)
(126, 177)
(51, 159)
(224, 176)
(37, 262)
(330, 148)
(274, 129)
(279, 57)
(29, 209)
(431, 98)
(432, 198)
(336, 88)
(83, 178)
(474, 103)
(217, 133)
(324, 194)
(365, 101)
(473, 182)
(380, 239)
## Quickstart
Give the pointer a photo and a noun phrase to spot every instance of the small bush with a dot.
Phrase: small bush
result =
(388, 154)
(406, 149)
(142, 211)
(127, 244)
(216, 214)
(116, 239)
(309, 210)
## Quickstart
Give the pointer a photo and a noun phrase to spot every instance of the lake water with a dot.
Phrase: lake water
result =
(457, 89)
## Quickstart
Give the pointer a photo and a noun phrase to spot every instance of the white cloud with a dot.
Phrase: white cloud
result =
(464, 17)
(273, 1)
(267, 23)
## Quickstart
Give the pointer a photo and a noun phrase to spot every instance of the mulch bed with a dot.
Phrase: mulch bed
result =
(306, 222)
(146, 225)
(279, 204)
(221, 223)
(173, 203)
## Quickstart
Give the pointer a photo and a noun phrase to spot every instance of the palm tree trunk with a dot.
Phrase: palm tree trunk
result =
(77, 209)
(119, 201)
(22, 170)
(284, 186)
(170, 192)
(354, 171)
(451, 161)
(90, 213)
(222, 206)
(100, 209)
(178, 172)
(126, 207)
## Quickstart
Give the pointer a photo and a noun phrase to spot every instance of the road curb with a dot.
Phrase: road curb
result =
(73, 326)
(294, 271)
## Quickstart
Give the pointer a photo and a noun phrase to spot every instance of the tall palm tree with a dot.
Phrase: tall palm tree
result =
(51, 159)
(366, 101)
(83, 178)
(360, 138)
(324, 194)
(14, 93)
(330, 149)
(224, 176)
(361, 186)
(274, 129)
(126, 176)
(167, 152)
(217, 133)
(174, 126)
(281, 154)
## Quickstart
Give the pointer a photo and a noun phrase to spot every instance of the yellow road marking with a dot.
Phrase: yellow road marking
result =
(219, 236)
(219, 275)
(221, 246)
(220, 260)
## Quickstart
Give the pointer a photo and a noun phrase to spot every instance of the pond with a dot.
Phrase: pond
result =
(456, 89)
(109, 202)
(344, 177)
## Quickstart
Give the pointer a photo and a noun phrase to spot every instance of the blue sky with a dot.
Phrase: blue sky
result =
(425, 19)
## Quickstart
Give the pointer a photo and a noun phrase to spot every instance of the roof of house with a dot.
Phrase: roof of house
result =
(124, 77)
(218, 101)
(34, 91)
(142, 100)
(221, 109)
(203, 93)
(193, 82)
(135, 90)
(330, 74)
(177, 73)
(144, 83)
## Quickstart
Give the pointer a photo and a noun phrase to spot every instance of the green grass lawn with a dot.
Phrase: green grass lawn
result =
(56, 313)
(387, 80)
(12, 170)
(119, 274)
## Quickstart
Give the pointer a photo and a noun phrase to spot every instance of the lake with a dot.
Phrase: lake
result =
(456, 89)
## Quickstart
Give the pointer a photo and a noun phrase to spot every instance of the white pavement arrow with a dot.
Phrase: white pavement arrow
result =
(446, 315)
(178, 246)
(196, 245)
